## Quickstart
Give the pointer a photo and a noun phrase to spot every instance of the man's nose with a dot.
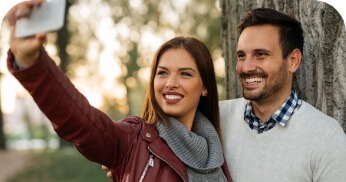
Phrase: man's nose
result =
(248, 65)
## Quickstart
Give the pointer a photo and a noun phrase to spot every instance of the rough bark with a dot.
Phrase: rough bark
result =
(321, 78)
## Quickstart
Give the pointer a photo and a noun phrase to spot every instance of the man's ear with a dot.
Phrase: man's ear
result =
(293, 60)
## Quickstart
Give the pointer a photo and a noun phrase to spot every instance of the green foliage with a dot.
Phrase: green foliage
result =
(135, 27)
(41, 131)
(65, 165)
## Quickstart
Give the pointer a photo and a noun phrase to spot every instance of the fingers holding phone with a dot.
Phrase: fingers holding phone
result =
(30, 21)
(43, 17)
(26, 50)
(107, 170)
(22, 9)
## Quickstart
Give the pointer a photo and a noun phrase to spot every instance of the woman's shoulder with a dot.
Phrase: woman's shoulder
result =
(148, 131)
(132, 120)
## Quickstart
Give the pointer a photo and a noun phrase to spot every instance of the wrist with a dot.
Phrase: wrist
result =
(25, 61)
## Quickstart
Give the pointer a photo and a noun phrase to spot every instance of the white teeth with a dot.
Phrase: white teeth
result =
(252, 80)
(173, 97)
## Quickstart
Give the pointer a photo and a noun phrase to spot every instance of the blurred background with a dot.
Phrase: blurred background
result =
(105, 48)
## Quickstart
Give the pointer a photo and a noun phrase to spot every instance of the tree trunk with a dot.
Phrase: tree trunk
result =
(321, 78)
(2, 132)
(63, 37)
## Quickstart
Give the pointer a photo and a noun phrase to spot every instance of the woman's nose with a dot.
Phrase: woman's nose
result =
(172, 82)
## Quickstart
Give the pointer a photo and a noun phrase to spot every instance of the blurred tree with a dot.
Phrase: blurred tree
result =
(199, 18)
(62, 41)
(2, 134)
(131, 30)
(321, 79)
(88, 52)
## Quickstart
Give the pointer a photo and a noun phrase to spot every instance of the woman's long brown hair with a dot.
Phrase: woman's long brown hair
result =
(208, 105)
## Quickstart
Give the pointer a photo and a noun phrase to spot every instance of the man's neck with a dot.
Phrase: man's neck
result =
(266, 108)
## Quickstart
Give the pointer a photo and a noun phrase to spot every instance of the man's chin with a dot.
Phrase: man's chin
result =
(252, 96)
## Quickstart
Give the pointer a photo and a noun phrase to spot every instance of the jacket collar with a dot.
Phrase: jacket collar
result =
(161, 150)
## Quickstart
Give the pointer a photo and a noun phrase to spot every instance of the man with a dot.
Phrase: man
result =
(271, 134)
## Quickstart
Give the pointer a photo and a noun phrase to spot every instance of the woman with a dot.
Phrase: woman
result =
(175, 139)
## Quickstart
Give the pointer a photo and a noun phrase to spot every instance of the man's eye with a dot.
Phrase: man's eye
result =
(241, 56)
(261, 54)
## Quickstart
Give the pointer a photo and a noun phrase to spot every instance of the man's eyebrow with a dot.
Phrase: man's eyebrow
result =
(262, 49)
(239, 52)
(255, 50)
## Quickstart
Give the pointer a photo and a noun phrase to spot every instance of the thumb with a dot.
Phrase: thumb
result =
(41, 38)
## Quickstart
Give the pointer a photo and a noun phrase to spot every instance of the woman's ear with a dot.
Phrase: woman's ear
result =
(204, 92)
(294, 59)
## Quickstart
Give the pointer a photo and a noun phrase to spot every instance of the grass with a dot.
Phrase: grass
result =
(63, 165)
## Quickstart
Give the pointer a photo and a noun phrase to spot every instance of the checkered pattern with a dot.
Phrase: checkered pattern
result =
(281, 116)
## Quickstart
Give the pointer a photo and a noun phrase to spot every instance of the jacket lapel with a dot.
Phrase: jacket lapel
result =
(161, 150)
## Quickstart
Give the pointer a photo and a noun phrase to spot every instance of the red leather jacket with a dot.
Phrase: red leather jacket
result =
(132, 149)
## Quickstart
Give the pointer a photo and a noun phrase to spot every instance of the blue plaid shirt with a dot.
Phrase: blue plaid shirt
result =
(281, 116)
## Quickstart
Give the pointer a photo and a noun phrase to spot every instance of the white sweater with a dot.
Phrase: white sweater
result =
(312, 147)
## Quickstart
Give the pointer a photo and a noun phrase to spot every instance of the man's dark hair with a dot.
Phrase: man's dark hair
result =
(290, 29)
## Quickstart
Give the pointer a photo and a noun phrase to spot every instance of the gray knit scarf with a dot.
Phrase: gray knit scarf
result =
(200, 149)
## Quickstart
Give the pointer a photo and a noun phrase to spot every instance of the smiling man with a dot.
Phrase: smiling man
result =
(271, 134)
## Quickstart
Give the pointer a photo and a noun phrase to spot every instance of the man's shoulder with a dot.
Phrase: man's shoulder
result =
(316, 119)
(311, 111)
(232, 107)
(229, 102)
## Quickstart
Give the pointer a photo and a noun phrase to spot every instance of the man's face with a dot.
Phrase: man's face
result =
(262, 71)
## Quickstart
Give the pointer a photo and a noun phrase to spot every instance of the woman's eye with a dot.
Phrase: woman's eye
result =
(186, 74)
(161, 73)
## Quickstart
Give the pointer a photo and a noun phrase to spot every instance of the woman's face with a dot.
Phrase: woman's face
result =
(178, 85)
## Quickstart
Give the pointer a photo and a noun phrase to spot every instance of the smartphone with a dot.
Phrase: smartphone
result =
(48, 17)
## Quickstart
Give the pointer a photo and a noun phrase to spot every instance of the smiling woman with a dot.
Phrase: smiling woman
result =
(178, 85)
(177, 137)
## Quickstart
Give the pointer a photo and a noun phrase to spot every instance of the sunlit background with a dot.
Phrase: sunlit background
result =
(110, 46)
(106, 50)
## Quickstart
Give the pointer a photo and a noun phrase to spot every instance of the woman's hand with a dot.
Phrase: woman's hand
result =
(109, 172)
(26, 50)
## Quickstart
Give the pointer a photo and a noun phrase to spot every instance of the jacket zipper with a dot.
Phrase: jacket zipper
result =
(167, 163)
(149, 164)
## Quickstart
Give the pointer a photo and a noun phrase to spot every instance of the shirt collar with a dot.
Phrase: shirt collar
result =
(282, 115)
